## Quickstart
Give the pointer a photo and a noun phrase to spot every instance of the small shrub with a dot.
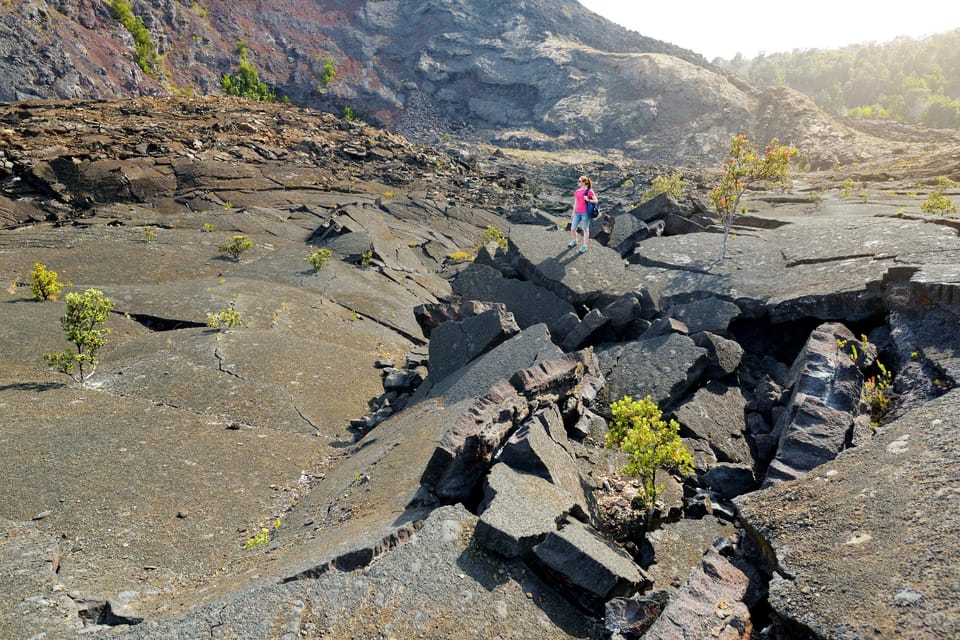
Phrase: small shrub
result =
(208, 228)
(246, 82)
(229, 318)
(319, 258)
(876, 392)
(351, 115)
(461, 256)
(235, 246)
(85, 313)
(651, 443)
(671, 185)
(261, 538)
(937, 203)
(366, 259)
(149, 234)
(145, 55)
(43, 283)
(493, 234)
(329, 70)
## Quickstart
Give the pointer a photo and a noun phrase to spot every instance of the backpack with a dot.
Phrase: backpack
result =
(593, 208)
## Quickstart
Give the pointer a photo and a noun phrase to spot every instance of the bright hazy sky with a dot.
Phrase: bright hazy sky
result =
(722, 29)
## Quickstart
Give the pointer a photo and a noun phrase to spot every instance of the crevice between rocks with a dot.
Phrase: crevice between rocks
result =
(359, 558)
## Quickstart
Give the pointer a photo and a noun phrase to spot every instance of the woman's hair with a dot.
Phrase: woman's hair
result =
(586, 182)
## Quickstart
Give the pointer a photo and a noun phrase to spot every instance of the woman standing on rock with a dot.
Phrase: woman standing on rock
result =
(580, 217)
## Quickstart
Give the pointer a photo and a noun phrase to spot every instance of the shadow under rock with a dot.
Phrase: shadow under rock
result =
(33, 386)
(492, 571)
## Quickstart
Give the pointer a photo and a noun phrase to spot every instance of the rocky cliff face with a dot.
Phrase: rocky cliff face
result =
(538, 74)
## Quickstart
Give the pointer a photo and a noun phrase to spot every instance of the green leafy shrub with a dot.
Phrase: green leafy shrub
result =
(329, 70)
(351, 115)
(494, 234)
(85, 313)
(246, 82)
(145, 55)
(43, 283)
(461, 256)
(319, 258)
(366, 259)
(876, 392)
(671, 185)
(235, 246)
(650, 443)
(261, 538)
(937, 203)
(229, 318)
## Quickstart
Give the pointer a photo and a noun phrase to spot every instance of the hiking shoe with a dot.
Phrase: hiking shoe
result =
(583, 249)
(572, 244)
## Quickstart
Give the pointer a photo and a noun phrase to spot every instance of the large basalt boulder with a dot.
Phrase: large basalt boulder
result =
(586, 567)
(664, 367)
(453, 344)
(715, 414)
(824, 403)
(529, 303)
(519, 510)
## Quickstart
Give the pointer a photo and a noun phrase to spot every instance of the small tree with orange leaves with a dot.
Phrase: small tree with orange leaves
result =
(743, 167)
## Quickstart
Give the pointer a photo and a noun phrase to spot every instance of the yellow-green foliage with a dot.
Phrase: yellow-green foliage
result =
(851, 189)
(43, 283)
(246, 82)
(461, 256)
(937, 203)
(319, 258)
(145, 55)
(650, 443)
(493, 234)
(235, 246)
(876, 393)
(329, 70)
(229, 318)
(85, 313)
(261, 538)
(366, 259)
(671, 185)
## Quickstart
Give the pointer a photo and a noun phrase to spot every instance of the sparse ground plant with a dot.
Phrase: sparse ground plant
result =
(494, 234)
(650, 443)
(263, 537)
(208, 228)
(876, 391)
(461, 256)
(277, 314)
(366, 259)
(236, 246)
(937, 203)
(743, 167)
(351, 115)
(44, 284)
(229, 318)
(82, 322)
(852, 189)
(149, 234)
(319, 258)
(671, 185)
